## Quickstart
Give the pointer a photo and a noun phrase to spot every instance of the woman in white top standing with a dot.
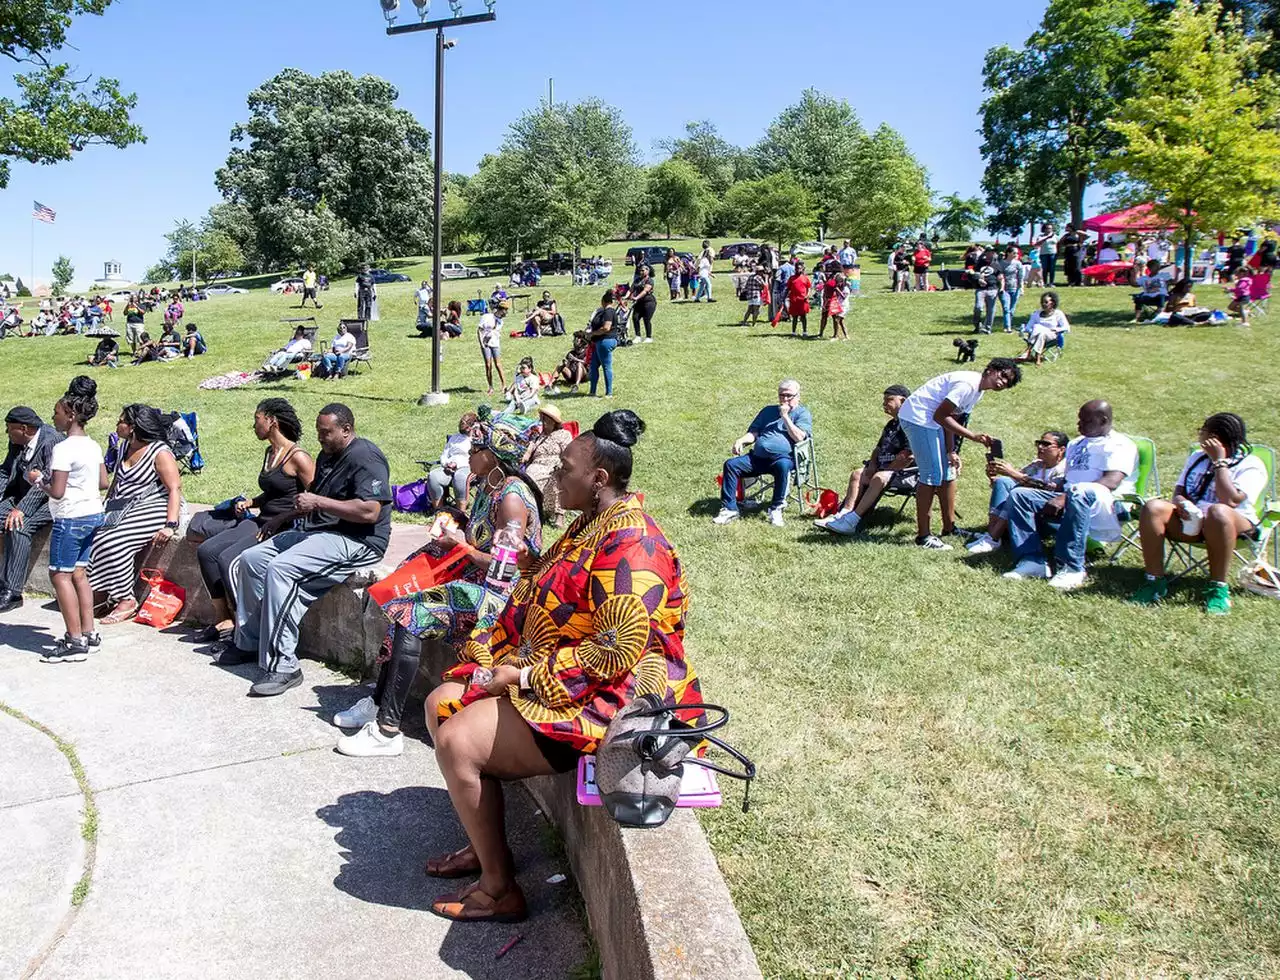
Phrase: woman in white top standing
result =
(489, 333)
(74, 484)
(933, 418)
(1213, 505)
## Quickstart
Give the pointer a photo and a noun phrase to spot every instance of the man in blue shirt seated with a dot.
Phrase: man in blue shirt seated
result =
(772, 436)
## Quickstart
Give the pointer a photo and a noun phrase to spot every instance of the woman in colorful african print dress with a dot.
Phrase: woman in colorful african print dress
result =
(593, 624)
(449, 612)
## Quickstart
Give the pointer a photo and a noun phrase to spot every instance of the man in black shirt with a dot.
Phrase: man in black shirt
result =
(890, 463)
(365, 294)
(346, 524)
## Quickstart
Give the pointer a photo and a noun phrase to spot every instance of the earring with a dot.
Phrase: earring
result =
(489, 479)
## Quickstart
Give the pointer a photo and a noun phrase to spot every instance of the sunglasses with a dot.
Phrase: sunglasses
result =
(1041, 443)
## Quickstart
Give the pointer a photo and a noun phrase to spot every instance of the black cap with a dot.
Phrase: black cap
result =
(21, 415)
(900, 390)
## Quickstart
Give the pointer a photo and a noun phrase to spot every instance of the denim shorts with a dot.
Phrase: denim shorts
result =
(71, 540)
(929, 446)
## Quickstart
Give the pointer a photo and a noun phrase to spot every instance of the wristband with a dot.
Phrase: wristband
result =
(172, 525)
(1221, 464)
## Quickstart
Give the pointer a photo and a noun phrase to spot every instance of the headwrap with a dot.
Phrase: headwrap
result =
(21, 415)
(506, 435)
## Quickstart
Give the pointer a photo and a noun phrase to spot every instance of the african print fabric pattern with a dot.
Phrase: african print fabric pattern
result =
(600, 620)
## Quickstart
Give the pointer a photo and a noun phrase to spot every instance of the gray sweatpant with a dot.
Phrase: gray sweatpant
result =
(278, 580)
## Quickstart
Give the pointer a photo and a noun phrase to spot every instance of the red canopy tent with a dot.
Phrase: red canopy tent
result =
(1136, 219)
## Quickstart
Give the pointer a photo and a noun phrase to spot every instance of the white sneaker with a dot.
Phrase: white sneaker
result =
(846, 524)
(824, 521)
(1067, 580)
(931, 542)
(370, 742)
(647, 340)
(775, 517)
(983, 545)
(1028, 569)
(358, 715)
(725, 516)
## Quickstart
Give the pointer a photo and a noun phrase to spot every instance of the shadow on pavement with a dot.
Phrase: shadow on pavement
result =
(20, 636)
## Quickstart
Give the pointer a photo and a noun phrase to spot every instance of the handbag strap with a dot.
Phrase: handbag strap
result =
(689, 732)
(748, 767)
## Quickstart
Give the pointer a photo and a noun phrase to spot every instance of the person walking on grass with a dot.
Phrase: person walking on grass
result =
(705, 261)
(797, 307)
(309, 288)
(753, 291)
(489, 333)
(77, 476)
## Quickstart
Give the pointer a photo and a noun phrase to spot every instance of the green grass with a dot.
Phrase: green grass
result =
(959, 776)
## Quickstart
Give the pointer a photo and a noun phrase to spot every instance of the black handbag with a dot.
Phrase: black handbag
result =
(641, 760)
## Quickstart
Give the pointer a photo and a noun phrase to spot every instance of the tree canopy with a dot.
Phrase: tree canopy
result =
(331, 171)
(884, 192)
(956, 216)
(777, 208)
(63, 273)
(677, 194)
(57, 113)
(1200, 137)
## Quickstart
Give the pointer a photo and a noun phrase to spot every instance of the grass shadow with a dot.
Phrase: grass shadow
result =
(707, 507)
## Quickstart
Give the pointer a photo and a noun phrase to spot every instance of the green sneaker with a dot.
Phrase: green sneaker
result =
(1151, 592)
(1217, 599)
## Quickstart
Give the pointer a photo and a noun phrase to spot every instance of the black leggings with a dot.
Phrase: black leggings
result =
(643, 312)
(224, 542)
(396, 677)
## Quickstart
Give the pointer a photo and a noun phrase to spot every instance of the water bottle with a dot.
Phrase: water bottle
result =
(503, 556)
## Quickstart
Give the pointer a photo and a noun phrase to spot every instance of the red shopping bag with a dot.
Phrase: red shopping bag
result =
(164, 601)
(425, 571)
(821, 503)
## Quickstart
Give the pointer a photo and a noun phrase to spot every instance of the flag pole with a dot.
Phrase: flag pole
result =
(31, 287)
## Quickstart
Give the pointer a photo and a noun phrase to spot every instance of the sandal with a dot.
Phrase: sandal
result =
(211, 634)
(473, 905)
(460, 864)
(122, 613)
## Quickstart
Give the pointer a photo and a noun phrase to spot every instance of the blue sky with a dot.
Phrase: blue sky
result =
(192, 63)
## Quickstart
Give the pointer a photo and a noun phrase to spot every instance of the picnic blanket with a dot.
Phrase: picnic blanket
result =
(232, 379)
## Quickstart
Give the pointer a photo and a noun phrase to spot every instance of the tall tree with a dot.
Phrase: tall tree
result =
(777, 208)
(566, 174)
(1050, 101)
(1023, 193)
(718, 161)
(677, 194)
(57, 113)
(336, 139)
(957, 216)
(885, 192)
(1200, 135)
(63, 273)
(817, 141)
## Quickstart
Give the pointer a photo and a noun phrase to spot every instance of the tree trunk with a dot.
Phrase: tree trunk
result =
(1076, 184)
(1186, 251)
(668, 231)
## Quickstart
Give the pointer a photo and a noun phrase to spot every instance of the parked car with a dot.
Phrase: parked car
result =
(729, 251)
(382, 276)
(120, 296)
(280, 285)
(557, 262)
(456, 270)
(653, 256)
(224, 290)
(809, 248)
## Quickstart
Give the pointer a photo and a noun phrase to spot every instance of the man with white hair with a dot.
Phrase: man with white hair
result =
(768, 445)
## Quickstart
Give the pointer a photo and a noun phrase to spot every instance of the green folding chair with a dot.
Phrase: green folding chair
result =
(1146, 484)
(804, 477)
(1267, 504)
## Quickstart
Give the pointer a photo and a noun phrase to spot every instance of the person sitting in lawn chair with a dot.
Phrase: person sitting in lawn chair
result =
(1100, 466)
(106, 354)
(767, 449)
(1154, 290)
(890, 464)
(1212, 505)
(298, 349)
(1045, 472)
(1047, 326)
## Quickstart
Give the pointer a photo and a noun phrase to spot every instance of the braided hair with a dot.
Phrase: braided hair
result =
(81, 399)
(285, 417)
(1229, 429)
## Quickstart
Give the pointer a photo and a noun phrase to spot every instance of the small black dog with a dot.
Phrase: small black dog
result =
(967, 350)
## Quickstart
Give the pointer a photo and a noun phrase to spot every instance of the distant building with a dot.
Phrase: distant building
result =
(111, 272)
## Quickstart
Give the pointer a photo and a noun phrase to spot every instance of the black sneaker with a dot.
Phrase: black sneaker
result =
(93, 641)
(231, 655)
(10, 601)
(66, 651)
(274, 682)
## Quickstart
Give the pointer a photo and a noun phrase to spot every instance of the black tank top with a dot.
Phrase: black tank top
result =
(279, 489)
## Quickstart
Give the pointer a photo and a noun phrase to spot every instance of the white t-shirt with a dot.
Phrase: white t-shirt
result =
(1248, 476)
(299, 346)
(1089, 457)
(1055, 322)
(343, 343)
(81, 459)
(424, 297)
(704, 264)
(958, 387)
(489, 331)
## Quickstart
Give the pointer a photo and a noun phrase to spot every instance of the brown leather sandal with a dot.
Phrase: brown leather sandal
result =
(460, 864)
(473, 905)
(122, 613)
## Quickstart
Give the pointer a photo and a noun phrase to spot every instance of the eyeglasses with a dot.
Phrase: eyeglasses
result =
(788, 395)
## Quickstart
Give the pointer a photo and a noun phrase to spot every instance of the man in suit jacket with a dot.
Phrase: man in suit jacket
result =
(24, 509)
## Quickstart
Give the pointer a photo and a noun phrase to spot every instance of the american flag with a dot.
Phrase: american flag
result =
(42, 213)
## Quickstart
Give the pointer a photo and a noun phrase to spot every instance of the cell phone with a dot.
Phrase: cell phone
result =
(996, 450)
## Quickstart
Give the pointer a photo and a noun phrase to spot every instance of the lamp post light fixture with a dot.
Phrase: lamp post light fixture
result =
(389, 9)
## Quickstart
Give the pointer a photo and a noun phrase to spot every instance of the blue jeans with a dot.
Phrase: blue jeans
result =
(1048, 263)
(602, 360)
(1001, 488)
(1026, 527)
(704, 289)
(1008, 306)
(71, 541)
(739, 466)
(335, 364)
(985, 304)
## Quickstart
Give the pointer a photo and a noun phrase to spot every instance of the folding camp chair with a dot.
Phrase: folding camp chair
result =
(184, 440)
(906, 485)
(1259, 294)
(359, 329)
(803, 477)
(1267, 505)
(1146, 483)
(479, 305)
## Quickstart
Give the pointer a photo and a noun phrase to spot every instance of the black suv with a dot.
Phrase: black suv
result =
(654, 256)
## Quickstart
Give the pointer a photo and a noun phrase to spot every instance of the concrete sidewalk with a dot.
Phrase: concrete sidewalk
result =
(232, 840)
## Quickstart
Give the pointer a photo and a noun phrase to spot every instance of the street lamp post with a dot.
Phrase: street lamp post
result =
(390, 10)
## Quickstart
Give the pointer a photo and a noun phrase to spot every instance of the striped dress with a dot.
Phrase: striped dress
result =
(111, 561)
